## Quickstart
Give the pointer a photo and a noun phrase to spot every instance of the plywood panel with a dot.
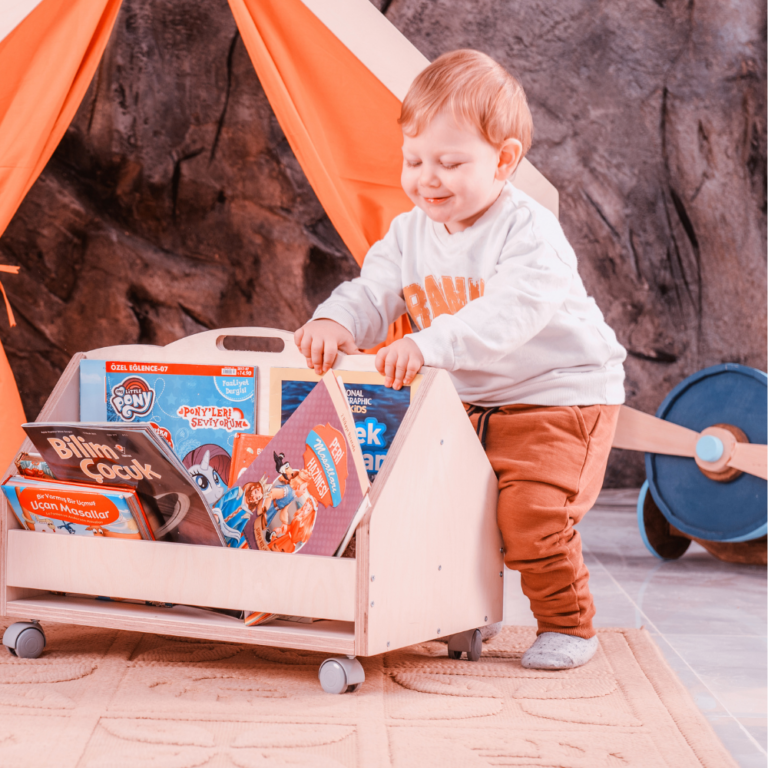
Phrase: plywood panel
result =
(301, 585)
(63, 404)
(434, 549)
(334, 637)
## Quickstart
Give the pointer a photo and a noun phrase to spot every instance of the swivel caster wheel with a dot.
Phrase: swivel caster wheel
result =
(341, 674)
(24, 639)
(469, 642)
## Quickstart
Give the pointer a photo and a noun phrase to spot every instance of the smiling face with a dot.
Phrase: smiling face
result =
(255, 495)
(452, 173)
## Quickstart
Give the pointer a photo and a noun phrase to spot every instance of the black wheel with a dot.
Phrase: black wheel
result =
(454, 654)
(476, 648)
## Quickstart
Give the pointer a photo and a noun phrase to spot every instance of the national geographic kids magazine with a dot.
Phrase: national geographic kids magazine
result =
(198, 409)
(135, 457)
(377, 410)
(79, 510)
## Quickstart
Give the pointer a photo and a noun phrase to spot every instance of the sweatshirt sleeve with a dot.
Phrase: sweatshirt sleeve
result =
(368, 304)
(531, 283)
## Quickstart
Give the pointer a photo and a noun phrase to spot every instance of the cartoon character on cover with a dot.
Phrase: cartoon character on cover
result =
(294, 534)
(68, 527)
(291, 487)
(282, 493)
(239, 506)
(209, 466)
(41, 524)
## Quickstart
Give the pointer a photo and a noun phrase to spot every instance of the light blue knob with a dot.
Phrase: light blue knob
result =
(709, 448)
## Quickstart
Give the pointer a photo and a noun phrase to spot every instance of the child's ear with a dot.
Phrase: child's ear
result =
(510, 155)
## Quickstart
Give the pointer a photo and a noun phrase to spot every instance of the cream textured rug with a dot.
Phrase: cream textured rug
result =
(108, 699)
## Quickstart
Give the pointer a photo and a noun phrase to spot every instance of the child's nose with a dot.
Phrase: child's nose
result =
(428, 178)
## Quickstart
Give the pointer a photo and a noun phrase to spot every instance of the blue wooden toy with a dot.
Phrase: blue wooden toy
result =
(708, 499)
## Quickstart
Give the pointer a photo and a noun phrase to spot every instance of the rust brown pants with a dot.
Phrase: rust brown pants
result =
(550, 462)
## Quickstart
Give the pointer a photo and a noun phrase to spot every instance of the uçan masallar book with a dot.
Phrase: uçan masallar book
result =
(377, 410)
(198, 409)
(131, 456)
(302, 493)
(79, 510)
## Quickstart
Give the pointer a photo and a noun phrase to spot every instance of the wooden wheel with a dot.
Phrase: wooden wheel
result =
(655, 530)
(726, 508)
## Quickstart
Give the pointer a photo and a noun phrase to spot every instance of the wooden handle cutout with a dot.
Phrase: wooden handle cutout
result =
(251, 343)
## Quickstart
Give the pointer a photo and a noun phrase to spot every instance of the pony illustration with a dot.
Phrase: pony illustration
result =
(209, 466)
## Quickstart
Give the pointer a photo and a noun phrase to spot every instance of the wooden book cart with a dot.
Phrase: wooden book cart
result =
(428, 556)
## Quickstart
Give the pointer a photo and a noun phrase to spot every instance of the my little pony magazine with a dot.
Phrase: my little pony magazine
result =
(197, 409)
(307, 490)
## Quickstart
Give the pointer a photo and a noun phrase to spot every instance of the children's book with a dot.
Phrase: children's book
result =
(246, 449)
(198, 409)
(377, 410)
(132, 456)
(307, 490)
(80, 510)
(301, 494)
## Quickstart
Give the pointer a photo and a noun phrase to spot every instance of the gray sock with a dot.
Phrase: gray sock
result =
(553, 650)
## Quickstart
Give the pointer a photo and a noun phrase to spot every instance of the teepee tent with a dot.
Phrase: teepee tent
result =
(334, 71)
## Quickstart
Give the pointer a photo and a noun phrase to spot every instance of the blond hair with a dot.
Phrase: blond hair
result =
(476, 90)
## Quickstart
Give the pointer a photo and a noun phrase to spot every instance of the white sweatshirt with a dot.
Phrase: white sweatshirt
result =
(500, 305)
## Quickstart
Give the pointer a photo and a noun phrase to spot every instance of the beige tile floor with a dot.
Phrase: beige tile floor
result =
(708, 617)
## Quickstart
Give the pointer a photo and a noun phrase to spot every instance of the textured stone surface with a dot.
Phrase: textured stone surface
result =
(174, 203)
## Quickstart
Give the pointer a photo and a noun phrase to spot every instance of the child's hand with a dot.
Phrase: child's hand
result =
(321, 340)
(399, 362)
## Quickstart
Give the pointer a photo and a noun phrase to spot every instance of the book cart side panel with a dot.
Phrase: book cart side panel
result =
(430, 551)
(63, 404)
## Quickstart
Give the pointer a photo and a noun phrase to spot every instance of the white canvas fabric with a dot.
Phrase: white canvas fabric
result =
(13, 12)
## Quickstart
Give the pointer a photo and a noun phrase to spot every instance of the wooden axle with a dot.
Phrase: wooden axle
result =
(728, 445)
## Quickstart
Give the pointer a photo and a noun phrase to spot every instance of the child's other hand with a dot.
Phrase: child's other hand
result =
(399, 362)
(321, 340)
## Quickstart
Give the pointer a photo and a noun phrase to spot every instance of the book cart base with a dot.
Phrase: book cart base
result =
(428, 554)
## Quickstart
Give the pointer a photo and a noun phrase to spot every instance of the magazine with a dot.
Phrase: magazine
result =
(198, 409)
(377, 410)
(80, 510)
(132, 456)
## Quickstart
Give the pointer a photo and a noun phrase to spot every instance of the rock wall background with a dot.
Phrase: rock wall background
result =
(174, 203)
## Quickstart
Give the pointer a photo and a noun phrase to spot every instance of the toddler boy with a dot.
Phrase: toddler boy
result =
(491, 283)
